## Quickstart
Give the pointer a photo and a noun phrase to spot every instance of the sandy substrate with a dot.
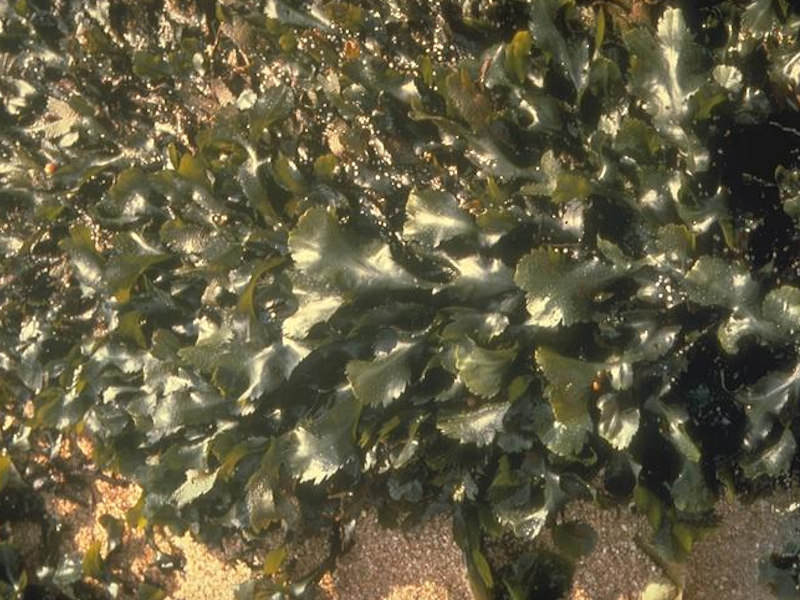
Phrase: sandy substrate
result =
(724, 564)
(421, 564)
(386, 565)
(617, 569)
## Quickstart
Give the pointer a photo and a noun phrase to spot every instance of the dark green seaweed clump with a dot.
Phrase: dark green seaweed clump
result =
(280, 260)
